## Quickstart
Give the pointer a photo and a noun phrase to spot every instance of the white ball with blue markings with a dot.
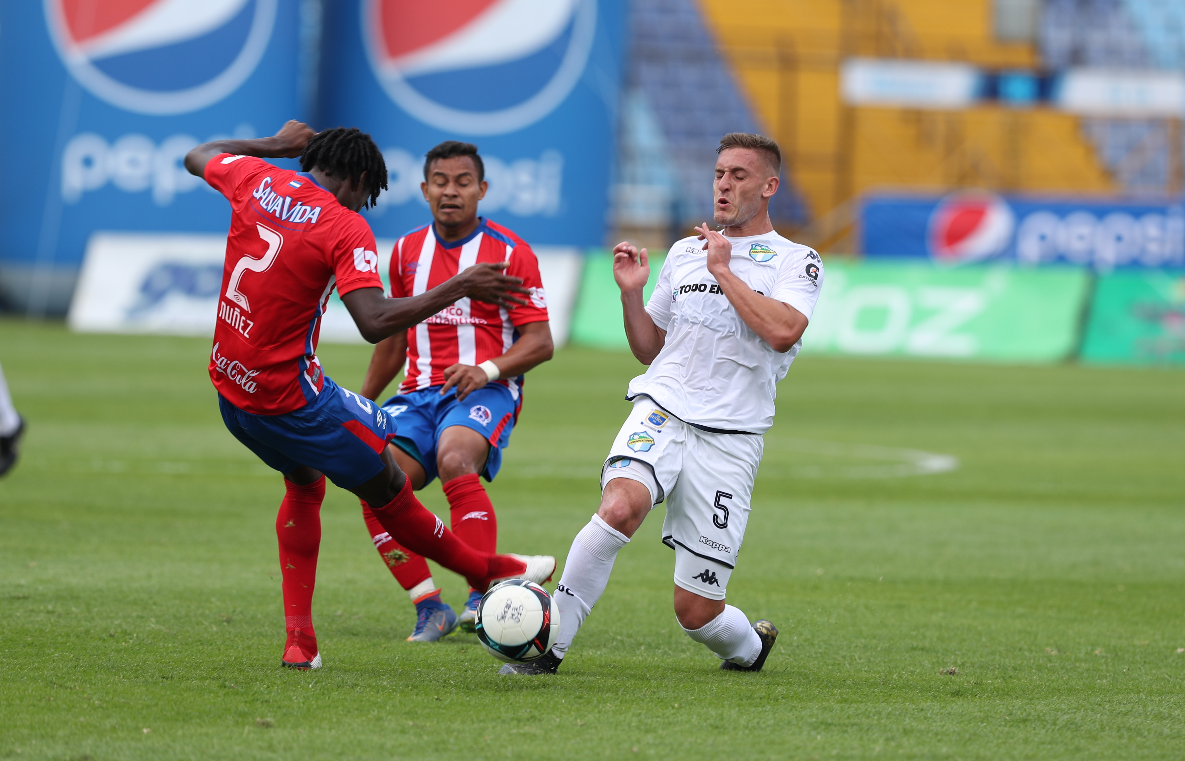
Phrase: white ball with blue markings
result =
(517, 621)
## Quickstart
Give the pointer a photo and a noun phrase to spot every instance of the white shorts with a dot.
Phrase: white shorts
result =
(706, 481)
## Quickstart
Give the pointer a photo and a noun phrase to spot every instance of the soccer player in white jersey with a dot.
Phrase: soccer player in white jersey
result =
(12, 427)
(720, 330)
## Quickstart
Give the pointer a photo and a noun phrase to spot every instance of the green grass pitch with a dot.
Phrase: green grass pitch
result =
(1028, 604)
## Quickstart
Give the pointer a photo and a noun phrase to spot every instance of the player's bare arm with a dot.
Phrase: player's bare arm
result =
(379, 317)
(288, 143)
(386, 362)
(778, 324)
(533, 348)
(631, 270)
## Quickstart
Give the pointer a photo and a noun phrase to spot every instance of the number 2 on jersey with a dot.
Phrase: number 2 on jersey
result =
(274, 241)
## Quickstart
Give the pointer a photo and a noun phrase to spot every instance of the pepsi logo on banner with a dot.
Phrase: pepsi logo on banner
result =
(479, 67)
(161, 57)
(968, 227)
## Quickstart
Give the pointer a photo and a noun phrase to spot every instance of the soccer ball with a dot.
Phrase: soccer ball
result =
(517, 621)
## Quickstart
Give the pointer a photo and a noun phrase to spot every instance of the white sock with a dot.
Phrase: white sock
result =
(730, 636)
(9, 420)
(586, 573)
(421, 589)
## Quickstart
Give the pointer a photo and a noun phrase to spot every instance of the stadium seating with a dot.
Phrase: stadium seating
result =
(679, 84)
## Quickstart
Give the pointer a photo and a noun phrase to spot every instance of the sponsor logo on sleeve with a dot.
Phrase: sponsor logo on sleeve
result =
(365, 261)
(811, 273)
(761, 253)
(640, 441)
(623, 462)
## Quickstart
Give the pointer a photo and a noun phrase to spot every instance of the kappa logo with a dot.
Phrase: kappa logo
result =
(708, 577)
(657, 418)
(139, 55)
(761, 253)
(640, 441)
(481, 414)
(519, 59)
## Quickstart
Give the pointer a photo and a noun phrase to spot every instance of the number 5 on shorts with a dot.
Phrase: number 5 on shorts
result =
(721, 522)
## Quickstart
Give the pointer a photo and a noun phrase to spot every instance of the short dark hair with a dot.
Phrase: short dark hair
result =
(451, 149)
(759, 143)
(344, 153)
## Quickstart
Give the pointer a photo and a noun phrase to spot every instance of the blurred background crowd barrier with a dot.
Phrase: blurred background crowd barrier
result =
(989, 179)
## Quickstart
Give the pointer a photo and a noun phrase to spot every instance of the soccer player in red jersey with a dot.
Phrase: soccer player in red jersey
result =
(462, 393)
(294, 237)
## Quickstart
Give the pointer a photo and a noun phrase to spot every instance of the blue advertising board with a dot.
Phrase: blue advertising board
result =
(102, 100)
(533, 83)
(980, 226)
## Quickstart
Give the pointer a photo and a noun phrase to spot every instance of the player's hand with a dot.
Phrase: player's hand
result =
(631, 267)
(486, 282)
(465, 378)
(718, 247)
(292, 138)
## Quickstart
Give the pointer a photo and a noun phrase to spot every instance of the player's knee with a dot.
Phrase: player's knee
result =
(453, 464)
(695, 612)
(624, 505)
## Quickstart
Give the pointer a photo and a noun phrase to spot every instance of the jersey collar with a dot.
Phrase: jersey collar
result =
(481, 228)
(309, 177)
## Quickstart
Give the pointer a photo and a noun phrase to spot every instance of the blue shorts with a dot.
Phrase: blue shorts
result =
(423, 415)
(339, 433)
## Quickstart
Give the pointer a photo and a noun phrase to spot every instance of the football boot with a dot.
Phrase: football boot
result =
(300, 652)
(467, 621)
(545, 664)
(434, 620)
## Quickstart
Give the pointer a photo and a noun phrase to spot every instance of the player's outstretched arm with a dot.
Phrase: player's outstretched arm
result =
(288, 143)
(533, 348)
(386, 362)
(778, 324)
(631, 270)
(378, 317)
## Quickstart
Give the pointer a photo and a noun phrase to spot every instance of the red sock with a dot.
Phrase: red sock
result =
(298, 529)
(414, 527)
(471, 513)
(407, 567)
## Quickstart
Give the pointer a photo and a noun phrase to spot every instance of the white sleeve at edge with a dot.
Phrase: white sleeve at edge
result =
(793, 287)
(659, 305)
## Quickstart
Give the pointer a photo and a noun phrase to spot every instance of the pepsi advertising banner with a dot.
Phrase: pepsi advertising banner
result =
(103, 99)
(979, 226)
(534, 83)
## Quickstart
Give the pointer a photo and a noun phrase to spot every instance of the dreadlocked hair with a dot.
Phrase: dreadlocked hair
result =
(344, 153)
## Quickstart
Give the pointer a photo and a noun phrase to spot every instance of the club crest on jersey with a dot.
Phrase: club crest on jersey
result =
(640, 441)
(481, 414)
(658, 418)
(761, 253)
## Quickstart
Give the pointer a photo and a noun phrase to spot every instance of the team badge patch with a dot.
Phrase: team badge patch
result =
(640, 441)
(657, 418)
(624, 462)
(761, 253)
(481, 414)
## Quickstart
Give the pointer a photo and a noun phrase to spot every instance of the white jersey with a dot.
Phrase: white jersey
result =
(714, 371)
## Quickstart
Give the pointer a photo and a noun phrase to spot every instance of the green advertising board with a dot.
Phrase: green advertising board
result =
(917, 309)
(597, 318)
(900, 308)
(1138, 317)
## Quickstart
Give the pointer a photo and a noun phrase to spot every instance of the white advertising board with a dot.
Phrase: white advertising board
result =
(169, 284)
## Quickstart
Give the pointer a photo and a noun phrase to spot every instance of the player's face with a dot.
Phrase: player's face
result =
(453, 191)
(744, 180)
